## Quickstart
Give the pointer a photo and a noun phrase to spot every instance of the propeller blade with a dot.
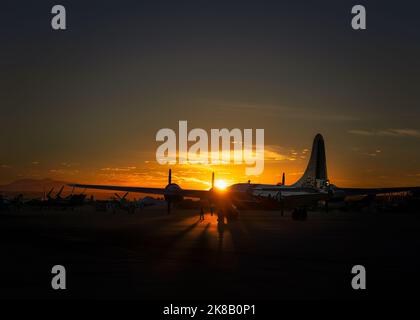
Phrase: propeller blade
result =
(118, 196)
(212, 180)
(123, 198)
(283, 179)
(170, 176)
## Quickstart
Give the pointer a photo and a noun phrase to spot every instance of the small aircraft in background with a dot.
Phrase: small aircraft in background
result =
(57, 201)
(122, 202)
(13, 203)
(47, 200)
(307, 192)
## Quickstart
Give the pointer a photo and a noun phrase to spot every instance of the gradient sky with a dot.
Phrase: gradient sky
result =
(84, 104)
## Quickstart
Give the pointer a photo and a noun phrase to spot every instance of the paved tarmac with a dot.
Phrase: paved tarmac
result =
(152, 255)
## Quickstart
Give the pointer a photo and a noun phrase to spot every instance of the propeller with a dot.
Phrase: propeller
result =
(283, 179)
(168, 201)
(121, 198)
(173, 192)
(212, 187)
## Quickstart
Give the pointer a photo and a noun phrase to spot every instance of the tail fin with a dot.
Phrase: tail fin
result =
(59, 192)
(316, 172)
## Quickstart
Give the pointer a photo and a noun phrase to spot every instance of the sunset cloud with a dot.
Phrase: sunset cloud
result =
(413, 175)
(292, 112)
(387, 133)
(277, 153)
(117, 169)
(68, 164)
(271, 153)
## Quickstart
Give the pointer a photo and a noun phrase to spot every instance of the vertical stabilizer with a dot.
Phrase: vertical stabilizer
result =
(316, 172)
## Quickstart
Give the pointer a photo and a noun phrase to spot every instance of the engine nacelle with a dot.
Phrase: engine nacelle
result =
(173, 193)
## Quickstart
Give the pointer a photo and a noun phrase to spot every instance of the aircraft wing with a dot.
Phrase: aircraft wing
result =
(186, 193)
(372, 191)
(199, 194)
(308, 196)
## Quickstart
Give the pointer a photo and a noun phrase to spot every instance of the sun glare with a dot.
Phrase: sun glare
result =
(220, 184)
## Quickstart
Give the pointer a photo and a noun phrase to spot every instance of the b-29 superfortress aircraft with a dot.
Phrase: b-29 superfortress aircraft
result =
(310, 189)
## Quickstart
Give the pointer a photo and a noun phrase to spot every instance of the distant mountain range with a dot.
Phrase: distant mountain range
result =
(32, 185)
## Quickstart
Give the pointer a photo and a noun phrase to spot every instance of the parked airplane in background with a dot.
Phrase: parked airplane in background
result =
(46, 201)
(15, 202)
(57, 201)
(311, 188)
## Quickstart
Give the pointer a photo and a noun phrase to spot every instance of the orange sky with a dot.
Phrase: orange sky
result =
(84, 105)
(292, 161)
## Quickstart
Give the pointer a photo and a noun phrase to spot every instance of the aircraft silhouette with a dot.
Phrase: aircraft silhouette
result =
(57, 201)
(311, 188)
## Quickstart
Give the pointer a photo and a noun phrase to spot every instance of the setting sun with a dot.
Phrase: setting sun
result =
(220, 184)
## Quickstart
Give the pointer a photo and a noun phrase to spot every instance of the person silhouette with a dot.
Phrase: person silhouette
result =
(220, 217)
(201, 214)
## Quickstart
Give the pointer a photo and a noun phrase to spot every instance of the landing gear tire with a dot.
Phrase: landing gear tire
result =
(299, 214)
